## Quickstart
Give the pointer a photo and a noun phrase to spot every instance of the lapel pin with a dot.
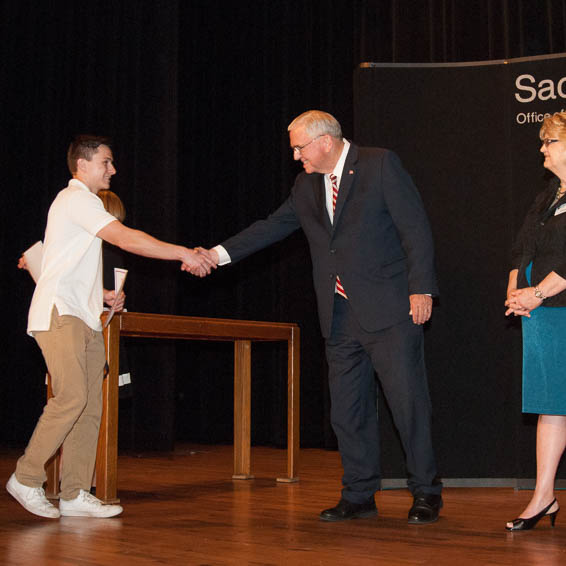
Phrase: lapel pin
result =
(351, 172)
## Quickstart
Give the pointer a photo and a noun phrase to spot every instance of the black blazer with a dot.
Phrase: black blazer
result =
(542, 240)
(380, 243)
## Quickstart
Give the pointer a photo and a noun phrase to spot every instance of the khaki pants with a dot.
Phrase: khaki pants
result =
(74, 354)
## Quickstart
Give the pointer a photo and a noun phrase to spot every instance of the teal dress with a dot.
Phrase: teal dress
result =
(544, 360)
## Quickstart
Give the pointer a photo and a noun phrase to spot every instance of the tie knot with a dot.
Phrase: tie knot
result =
(333, 178)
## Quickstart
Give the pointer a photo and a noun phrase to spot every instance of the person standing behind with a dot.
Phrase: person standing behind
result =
(64, 318)
(113, 257)
(536, 291)
(372, 254)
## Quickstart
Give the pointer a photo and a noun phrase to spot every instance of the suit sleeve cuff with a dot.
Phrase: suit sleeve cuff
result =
(223, 255)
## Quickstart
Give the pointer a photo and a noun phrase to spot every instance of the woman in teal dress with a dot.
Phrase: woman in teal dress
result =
(537, 292)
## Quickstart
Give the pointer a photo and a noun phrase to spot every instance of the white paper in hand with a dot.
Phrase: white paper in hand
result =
(119, 280)
(34, 256)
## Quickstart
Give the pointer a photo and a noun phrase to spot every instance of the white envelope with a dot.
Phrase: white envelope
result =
(33, 256)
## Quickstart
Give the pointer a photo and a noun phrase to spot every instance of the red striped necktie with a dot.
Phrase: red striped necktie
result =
(334, 182)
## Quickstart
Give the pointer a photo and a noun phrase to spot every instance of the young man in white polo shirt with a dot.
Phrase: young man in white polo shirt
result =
(64, 318)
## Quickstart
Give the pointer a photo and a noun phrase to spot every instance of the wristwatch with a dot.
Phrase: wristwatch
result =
(539, 295)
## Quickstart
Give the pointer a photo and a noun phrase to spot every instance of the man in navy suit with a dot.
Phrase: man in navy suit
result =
(372, 255)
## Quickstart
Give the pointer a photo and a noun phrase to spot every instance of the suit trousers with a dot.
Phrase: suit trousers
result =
(75, 358)
(397, 356)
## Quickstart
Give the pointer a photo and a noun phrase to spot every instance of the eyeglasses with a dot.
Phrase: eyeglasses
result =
(547, 141)
(299, 148)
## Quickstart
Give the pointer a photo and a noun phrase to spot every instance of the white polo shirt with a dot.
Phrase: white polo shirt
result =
(71, 269)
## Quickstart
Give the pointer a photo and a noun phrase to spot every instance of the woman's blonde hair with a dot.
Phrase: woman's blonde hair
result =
(112, 204)
(554, 125)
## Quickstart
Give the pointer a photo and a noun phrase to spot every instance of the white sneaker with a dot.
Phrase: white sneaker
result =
(32, 498)
(86, 505)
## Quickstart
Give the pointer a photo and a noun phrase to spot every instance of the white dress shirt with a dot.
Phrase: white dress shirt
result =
(338, 170)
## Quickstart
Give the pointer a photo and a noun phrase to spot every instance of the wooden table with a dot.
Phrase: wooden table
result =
(242, 333)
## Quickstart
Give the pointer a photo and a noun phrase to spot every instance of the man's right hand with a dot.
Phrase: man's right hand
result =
(22, 263)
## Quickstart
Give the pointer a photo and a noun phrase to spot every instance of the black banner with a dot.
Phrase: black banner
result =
(468, 134)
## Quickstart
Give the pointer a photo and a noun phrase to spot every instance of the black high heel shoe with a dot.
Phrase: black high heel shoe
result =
(521, 524)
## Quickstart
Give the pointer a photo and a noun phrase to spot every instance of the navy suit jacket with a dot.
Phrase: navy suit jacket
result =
(380, 243)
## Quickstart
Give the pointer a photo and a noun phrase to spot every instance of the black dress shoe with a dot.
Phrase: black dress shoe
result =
(425, 509)
(346, 510)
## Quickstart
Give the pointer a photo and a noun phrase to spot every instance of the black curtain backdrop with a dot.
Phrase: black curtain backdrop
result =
(197, 96)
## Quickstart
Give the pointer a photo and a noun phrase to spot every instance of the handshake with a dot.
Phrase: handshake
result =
(199, 261)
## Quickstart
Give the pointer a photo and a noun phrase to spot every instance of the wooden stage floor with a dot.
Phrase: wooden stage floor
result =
(184, 508)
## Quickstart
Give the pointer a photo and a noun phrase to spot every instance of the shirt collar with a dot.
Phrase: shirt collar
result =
(79, 184)
(339, 167)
